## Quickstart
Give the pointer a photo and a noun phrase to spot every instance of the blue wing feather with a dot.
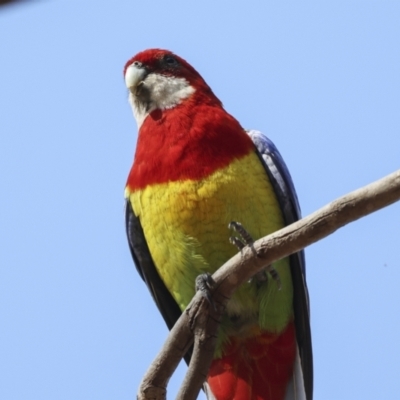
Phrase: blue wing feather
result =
(280, 172)
(281, 180)
(282, 183)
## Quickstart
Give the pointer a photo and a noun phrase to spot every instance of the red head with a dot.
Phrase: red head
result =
(164, 62)
(159, 79)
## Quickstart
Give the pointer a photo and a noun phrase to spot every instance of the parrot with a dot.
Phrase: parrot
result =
(195, 170)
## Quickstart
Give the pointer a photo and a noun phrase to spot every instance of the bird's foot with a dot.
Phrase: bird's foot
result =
(262, 276)
(204, 284)
(244, 240)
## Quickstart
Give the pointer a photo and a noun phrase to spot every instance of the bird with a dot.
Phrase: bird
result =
(195, 170)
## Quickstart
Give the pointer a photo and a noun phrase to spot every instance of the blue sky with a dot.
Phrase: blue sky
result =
(320, 78)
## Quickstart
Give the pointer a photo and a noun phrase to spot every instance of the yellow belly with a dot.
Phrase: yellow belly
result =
(186, 227)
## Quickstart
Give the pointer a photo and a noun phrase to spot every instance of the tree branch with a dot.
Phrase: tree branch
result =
(8, 2)
(201, 320)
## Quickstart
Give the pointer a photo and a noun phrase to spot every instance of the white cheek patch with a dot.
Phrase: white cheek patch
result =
(165, 92)
(140, 111)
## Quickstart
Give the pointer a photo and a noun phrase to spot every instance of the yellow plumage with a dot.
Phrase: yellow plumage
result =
(186, 228)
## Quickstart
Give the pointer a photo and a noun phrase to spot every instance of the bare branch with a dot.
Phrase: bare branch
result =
(205, 328)
(8, 2)
(179, 340)
(202, 321)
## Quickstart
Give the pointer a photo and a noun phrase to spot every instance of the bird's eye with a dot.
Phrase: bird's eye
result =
(170, 60)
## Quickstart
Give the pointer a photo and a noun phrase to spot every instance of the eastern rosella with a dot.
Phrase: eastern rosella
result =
(195, 170)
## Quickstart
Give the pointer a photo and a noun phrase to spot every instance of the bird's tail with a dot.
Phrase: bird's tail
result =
(262, 367)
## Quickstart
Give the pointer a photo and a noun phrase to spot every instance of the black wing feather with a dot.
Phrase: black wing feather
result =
(169, 309)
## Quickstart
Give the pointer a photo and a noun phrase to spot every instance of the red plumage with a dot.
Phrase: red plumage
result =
(255, 369)
(190, 141)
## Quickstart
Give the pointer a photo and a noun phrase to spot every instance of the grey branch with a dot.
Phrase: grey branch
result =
(199, 322)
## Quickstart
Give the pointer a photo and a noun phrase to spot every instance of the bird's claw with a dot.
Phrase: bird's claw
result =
(237, 242)
(261, 276)
(204, 283)
(275, 276)
(246, 240)
(245, 237)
